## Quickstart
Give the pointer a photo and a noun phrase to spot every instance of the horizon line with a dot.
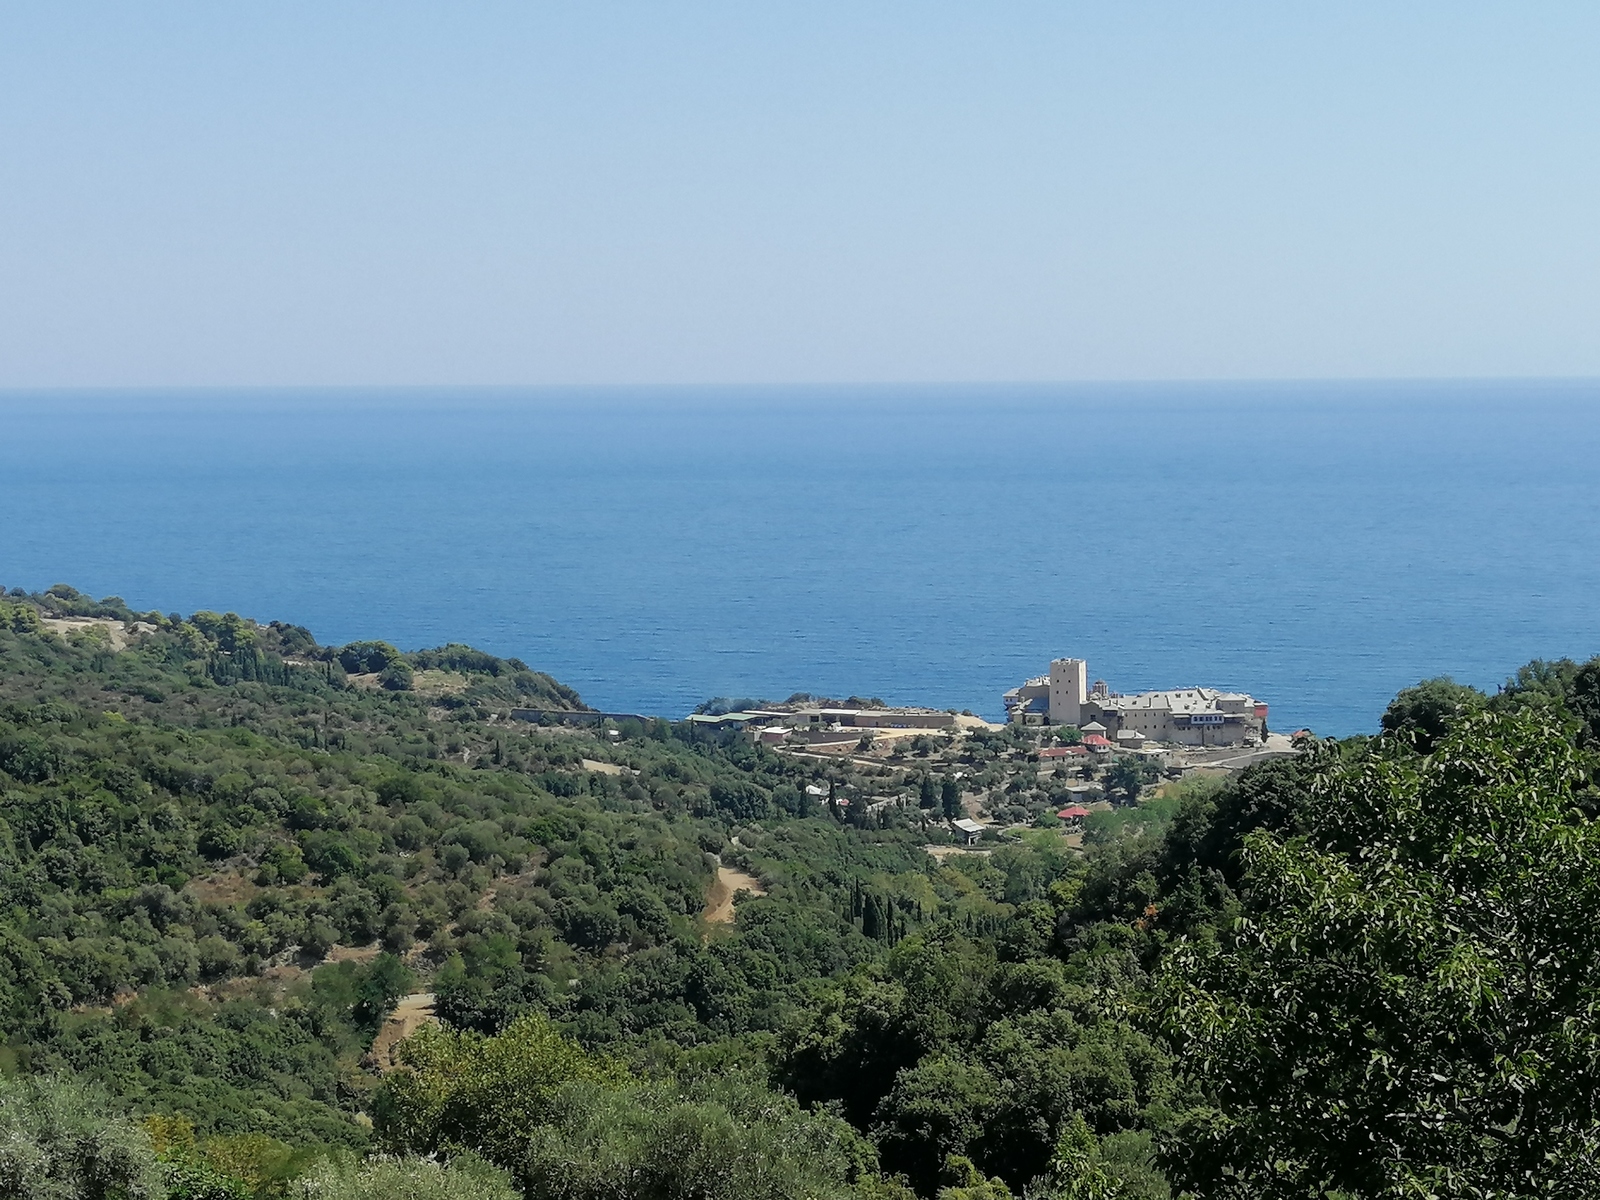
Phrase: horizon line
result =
(22, 390)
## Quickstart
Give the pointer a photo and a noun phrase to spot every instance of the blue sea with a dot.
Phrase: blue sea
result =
(1318, 545)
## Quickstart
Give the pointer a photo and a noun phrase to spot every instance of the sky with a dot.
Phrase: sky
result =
(198, 194)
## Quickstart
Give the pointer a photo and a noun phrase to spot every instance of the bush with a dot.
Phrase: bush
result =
(1424, 712)
(365, 658)
(463, 1089)
(574, 1125)
(467, 1178)
(722, 1140)
(59, 1141)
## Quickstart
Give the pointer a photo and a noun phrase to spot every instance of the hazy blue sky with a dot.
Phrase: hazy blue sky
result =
(593, 192)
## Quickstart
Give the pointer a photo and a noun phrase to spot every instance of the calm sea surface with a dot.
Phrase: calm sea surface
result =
(1320, 546)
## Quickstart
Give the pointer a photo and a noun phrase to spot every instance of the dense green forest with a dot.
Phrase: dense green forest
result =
(228, 852)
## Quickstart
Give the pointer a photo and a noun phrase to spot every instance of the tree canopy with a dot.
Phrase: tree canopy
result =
(648, 961)
(1424, 711)
(1407, 1005)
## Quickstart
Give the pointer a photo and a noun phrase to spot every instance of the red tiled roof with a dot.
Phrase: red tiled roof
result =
(1076, 810)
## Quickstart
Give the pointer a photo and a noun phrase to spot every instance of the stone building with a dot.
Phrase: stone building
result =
(1195, 716)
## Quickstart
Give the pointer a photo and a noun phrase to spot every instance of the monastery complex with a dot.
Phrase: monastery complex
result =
(1195, 716)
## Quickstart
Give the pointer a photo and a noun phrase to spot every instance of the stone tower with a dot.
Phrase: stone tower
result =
(1069, 688)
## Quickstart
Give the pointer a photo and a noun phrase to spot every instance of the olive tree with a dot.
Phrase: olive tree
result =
(58, 1141)
(404, 1179)
(571, 1125)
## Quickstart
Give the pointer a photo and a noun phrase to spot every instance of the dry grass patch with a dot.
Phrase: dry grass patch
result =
(355, 954)
(438, 683)
(719, 899)
(113, 633)
(223, 888)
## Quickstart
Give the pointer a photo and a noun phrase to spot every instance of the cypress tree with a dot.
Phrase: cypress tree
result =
(952, 798)
(871, 918)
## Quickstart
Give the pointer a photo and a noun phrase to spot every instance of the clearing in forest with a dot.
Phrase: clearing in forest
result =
(943, 852)
(115, 632)
(719, 899)
(411, 1014)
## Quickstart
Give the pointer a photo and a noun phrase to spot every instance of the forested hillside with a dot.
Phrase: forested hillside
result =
(227, 852)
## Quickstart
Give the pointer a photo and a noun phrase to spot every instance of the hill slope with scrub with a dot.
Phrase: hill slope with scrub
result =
(228, 851)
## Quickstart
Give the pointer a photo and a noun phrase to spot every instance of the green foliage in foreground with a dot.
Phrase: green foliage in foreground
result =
(576, 1125)
(403, 1179)
(1408, 1005)
(58, 1142)
(1367, 972)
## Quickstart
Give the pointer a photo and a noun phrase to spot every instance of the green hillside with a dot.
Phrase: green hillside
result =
(227, 852)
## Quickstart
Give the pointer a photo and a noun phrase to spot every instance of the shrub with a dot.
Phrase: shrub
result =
(363, 658)
(467, 1178)
(59, 1141)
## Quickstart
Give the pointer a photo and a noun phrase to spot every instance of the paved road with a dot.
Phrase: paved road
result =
(1277, 746)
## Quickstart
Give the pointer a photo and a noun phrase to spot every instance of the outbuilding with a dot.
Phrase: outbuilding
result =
(968, 830)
